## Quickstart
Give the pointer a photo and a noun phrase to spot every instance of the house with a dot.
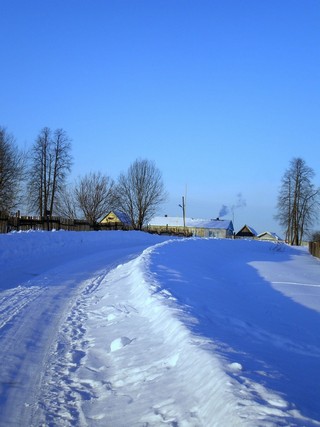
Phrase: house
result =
(116, 217)
(268, 235)
(247, 231)
(195, 227)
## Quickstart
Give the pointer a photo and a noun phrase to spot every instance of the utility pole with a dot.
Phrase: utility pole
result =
(183, 206)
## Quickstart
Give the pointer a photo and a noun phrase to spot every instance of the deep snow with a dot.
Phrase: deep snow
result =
(130, 329)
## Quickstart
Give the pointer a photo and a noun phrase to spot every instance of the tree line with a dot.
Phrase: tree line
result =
(41, 174)
(38, 180)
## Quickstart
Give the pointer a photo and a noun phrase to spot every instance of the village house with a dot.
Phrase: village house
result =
(194, 227)
(269, 235)
(116, 218)
(247, 231)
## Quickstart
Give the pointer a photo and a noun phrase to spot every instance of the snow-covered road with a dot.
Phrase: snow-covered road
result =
(43, 277)
(127, 329)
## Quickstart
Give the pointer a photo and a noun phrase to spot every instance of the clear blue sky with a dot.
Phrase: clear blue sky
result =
(220, 94)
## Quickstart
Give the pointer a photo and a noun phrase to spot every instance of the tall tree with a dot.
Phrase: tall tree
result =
(298, 201)
(11, 171)
(50, 163)
(140, 192)
(94, 194)
(67, 206)
(61, 147)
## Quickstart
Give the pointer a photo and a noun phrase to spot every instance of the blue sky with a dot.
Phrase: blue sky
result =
(220, 94)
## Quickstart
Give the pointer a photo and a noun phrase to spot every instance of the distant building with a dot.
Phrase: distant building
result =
(116, 218)
(247, 231)
(268, 235)
(195, 227)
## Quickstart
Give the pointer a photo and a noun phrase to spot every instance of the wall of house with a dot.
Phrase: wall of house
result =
(111, 218)
(267, 237)
(165, 229)
(245, 234)
(193, 231)
(207, 232)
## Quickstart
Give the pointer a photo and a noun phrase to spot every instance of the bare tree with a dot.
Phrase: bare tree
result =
(140, 192)
(38, 176)
(315, 236)
(61, 147)
(94, 194)
(66, 205)
(49, 165)
(12, 167)
(298, 201)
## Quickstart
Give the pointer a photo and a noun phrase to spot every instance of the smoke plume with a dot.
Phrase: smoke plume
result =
(224, 211)
(240, 203)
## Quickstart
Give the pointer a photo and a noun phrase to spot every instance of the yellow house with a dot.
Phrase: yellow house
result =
(116, 218)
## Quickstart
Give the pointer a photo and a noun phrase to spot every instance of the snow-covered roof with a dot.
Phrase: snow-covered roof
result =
(123, 217)
(176, 221)
(271, 234)
(253, 231)
(250, 230)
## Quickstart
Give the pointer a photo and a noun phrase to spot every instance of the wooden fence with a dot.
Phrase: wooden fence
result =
(169, 231)
(25, 223)
(314, 249)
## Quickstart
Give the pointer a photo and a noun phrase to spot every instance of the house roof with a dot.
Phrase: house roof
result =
(250, 230)
(271, 234)
(191, 222)
(123, 217)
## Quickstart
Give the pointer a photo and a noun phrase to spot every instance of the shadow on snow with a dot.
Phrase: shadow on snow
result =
(276, 340)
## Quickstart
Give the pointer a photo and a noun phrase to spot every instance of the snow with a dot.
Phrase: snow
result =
(131, 329)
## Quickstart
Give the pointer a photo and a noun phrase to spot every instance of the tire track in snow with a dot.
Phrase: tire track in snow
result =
(30, 319)
(24, 343)
(62, 394)
(14, 300)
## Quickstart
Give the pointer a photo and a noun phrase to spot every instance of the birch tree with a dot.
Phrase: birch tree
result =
(298, 201)
(50, 162)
